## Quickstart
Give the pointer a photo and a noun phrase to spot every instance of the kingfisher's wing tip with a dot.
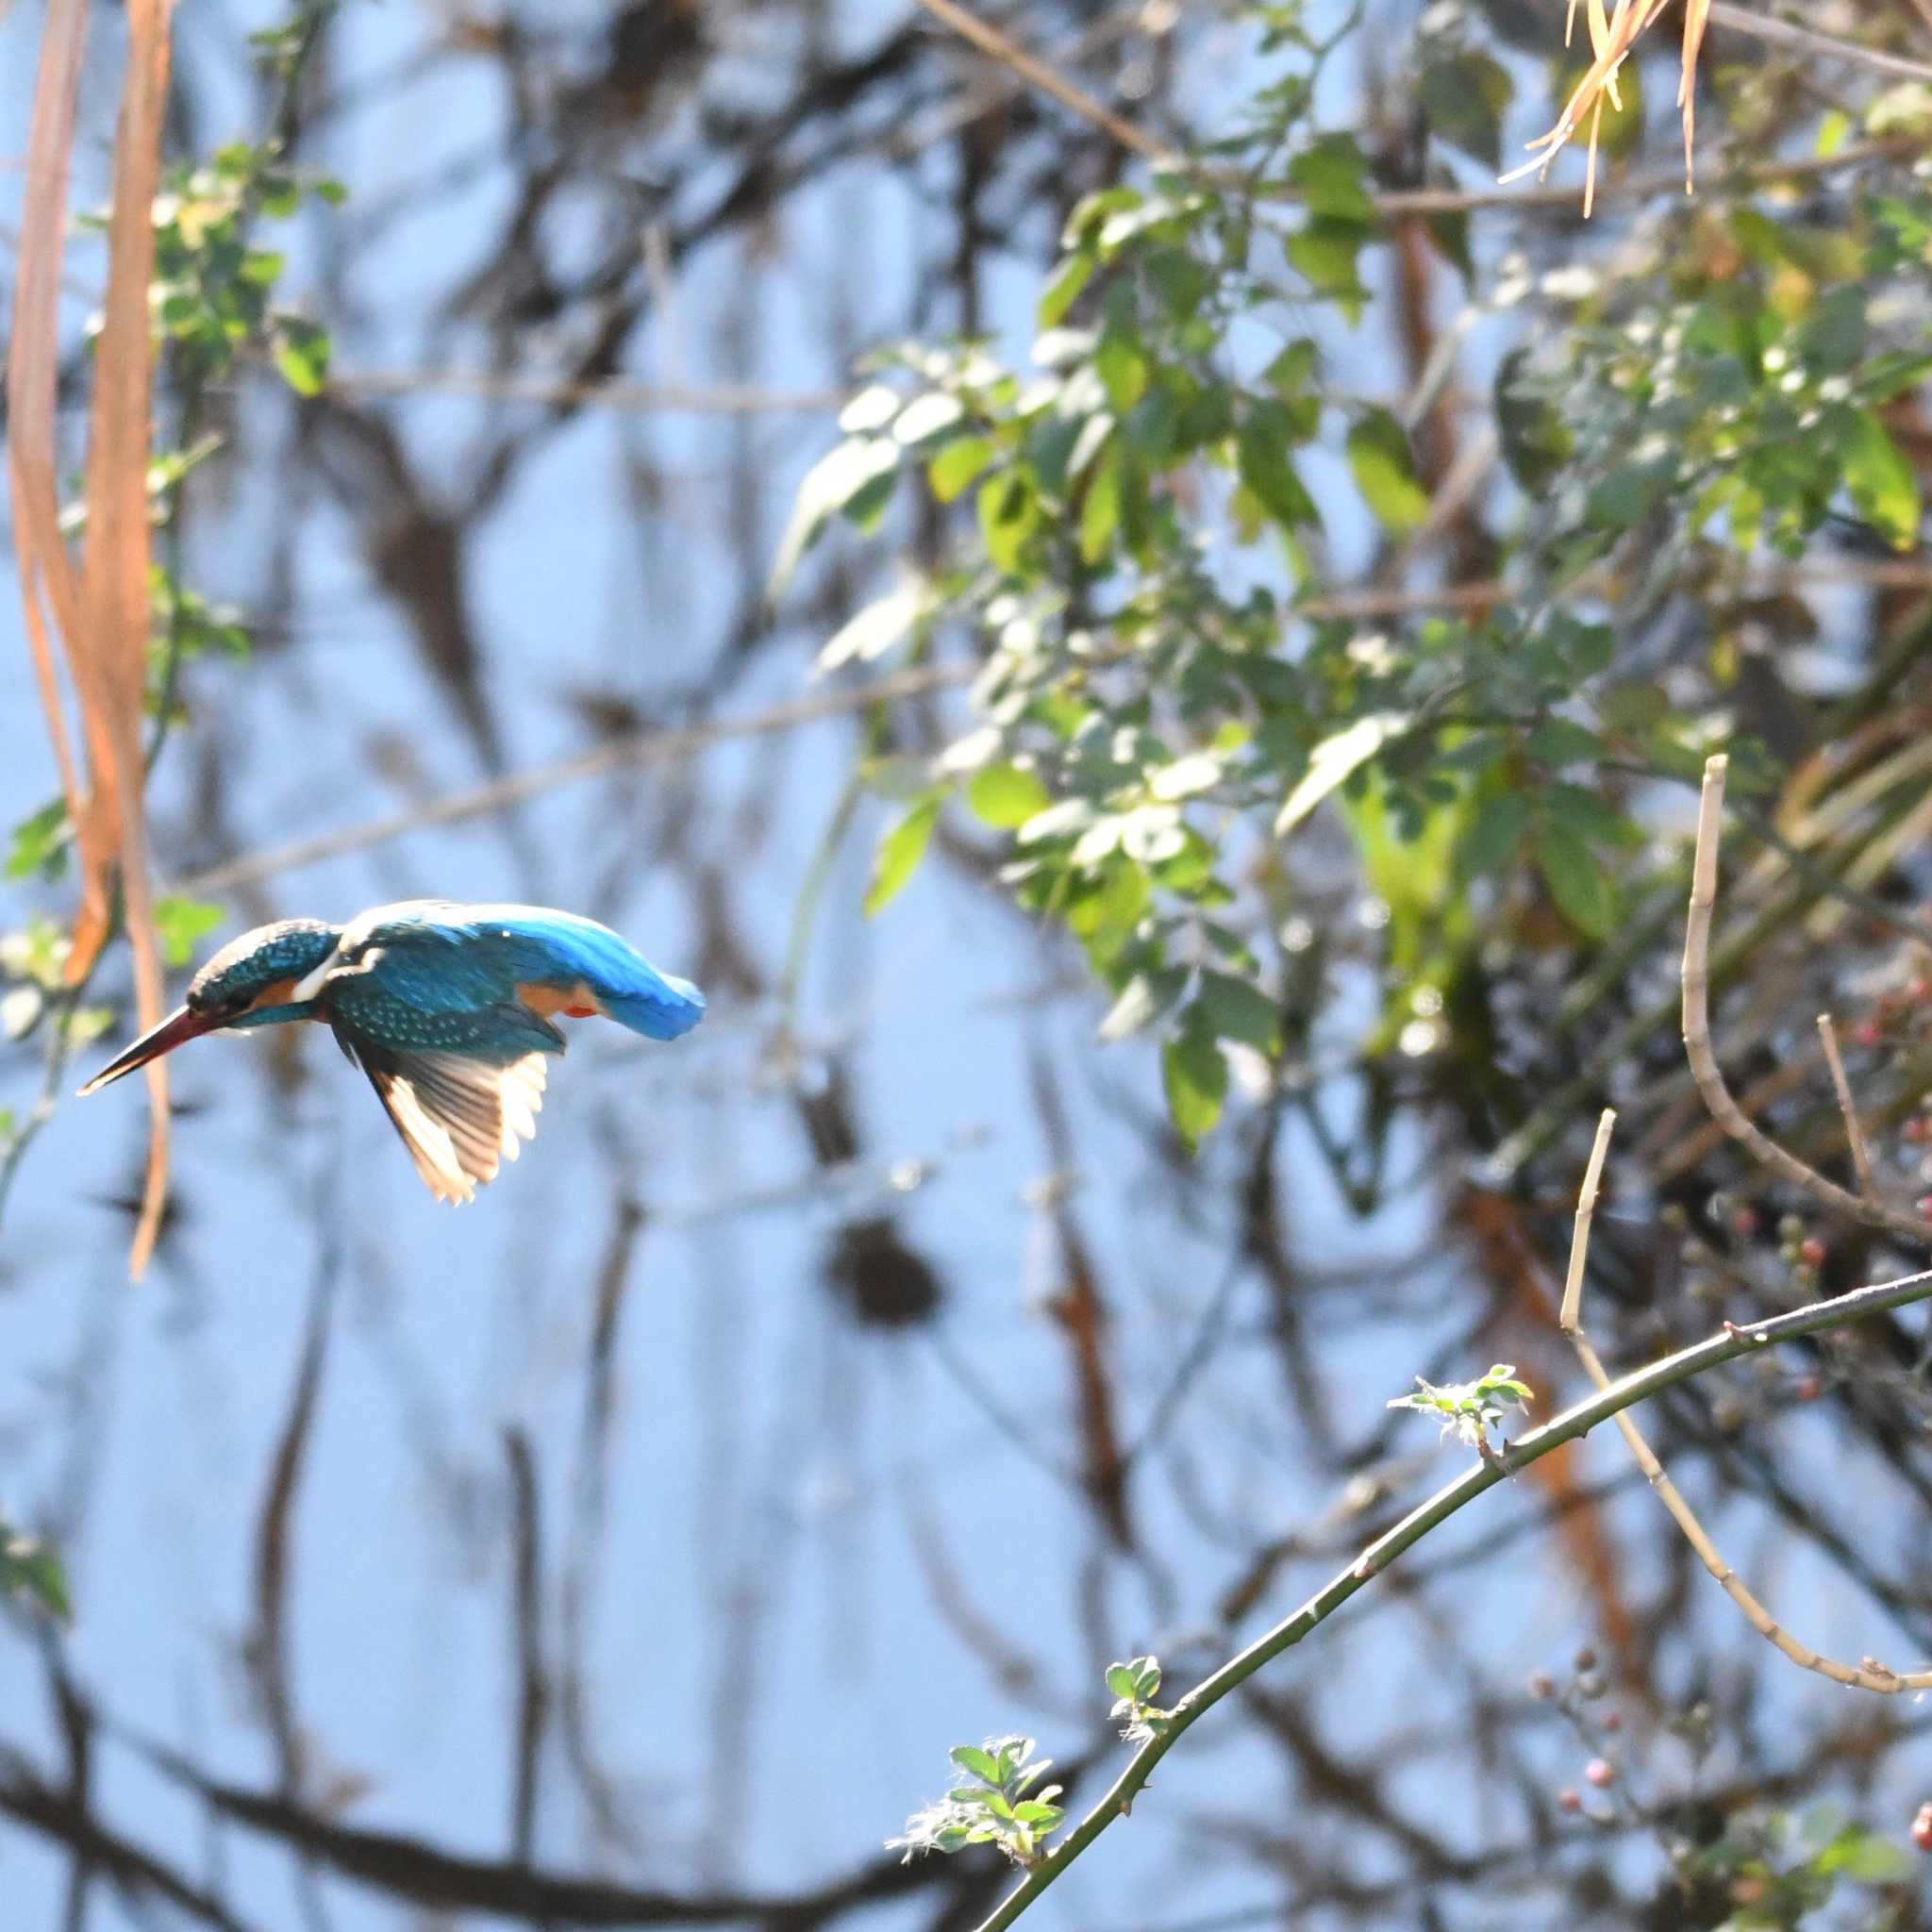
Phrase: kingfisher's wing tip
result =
(461, 1119)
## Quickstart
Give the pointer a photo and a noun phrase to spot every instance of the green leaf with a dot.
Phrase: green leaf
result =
(872, 632)
(1141, 1000)
(1236, 1010)
(1583, 890)
(1880, 478)
(1324, 252)
(954, 468)
(1069, 279)
(1267, 435)
(39, 843)
(1289, 373)
(1591, 817)
(1100, 507)
(1378, 454)
(1558, 741)
(1494, 834)
(1534, 440)
(180, 922)
(1122, 365)
(975, 1762)
(29, 1569)
(1464, 98)
(1331, 763)
(1329, 175)
(927, 416)
(1195, 1075)
(832, 484)
(1008, 510)
(302, 354)
(1005, 796)
(1122, 1680)
(900, 852)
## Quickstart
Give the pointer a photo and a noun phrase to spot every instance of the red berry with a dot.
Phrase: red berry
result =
(1601, 1772)
(1543, 1687)
(1585, 1658)
(1866, 1033)
(1922, 1827)
(1570, 1799)
(1611, 1719)
(1811, 1252)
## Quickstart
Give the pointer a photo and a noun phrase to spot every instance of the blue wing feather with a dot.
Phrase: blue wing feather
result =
(441, 958)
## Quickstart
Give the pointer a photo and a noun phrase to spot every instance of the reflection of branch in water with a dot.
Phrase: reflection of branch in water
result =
(526, 1615)
(137, 1874)
(1076, 1307)
(414, 1872)
(267, 1649)
(590, 1491)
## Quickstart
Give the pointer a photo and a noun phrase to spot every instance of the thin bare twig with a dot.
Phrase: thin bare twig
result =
(1734, 1342)
(1855, 1134)
(1035, 71)
(1761, 26)
(604, 392)
(1704, 1066)
(1871, 1674)
(630, 753)
(1586, 1210)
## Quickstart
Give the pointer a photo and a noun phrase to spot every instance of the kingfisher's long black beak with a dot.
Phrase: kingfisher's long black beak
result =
(181, 1026)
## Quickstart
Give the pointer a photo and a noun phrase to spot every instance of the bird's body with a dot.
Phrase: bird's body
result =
(450, 1010)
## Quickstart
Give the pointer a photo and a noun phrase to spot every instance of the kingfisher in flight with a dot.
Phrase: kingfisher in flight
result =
(449, 1009)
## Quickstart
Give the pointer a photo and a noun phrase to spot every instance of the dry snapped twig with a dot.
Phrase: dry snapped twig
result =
(101, 614)
(1704, 1067)
(1869, 1676)
(1855, 1134)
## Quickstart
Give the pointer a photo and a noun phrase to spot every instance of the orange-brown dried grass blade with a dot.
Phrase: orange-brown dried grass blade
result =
(114, 581)
(1613, 38)
(1696, 16)
(48, 589)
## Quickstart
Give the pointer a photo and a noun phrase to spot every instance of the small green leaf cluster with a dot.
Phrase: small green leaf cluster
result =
(31, 1572)
(1777, 1869)
(211, 289)
(1751, 407)
(991, 1807)
(1135, 1685)
(1136, 549)
(180, 924)
(33, 963)
(1470, 1410)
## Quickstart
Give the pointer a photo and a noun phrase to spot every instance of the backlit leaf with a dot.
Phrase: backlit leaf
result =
(900, 852)
(1384, 470)
(1194, 1074)
(1880, 478)
(1582, 889)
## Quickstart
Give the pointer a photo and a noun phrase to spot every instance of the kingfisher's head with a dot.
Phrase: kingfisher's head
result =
(253, 981)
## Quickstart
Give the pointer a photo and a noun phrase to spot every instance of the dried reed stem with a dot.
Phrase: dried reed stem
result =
(1704, 1066)
(1855, 1134)
(1868, 1675)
